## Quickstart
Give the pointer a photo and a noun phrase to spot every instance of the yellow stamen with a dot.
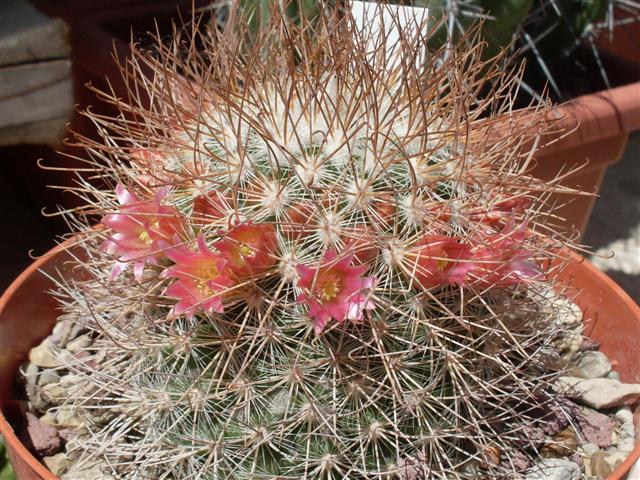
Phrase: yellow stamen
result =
(441, 263)
(204, 288)
(145, 237)
(207, 271)
(329, 289)
(245, 251)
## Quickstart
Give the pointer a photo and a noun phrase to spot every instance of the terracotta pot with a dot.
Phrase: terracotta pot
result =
(602, 123)
(28, 313)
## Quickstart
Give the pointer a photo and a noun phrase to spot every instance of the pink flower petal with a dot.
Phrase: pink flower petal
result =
(334, 290)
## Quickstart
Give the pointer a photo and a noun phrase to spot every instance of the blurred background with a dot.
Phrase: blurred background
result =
(584, 52)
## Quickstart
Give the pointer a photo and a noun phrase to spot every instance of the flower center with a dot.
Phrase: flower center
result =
(145, 237)
(208, 271)
(442, 264)
(204, 288)
(245, 251)
(329, 288)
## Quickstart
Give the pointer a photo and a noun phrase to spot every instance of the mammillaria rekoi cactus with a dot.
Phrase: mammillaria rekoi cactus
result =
(328, 250)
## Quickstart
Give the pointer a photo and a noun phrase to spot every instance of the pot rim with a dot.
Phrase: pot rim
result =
(6, 430)
(12, 441)
(595, 117)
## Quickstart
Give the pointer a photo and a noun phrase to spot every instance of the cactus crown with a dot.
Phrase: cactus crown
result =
(317, 263)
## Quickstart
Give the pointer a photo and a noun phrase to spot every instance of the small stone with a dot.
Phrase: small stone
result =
(613, 375)
(77, 385)
(58, 464)
(626, 430)
(94, 473)
(532, 437)
(79, 344)
(577, 459)
(562, 444)
(624, 415)
(67, 417)
(49, 419)
(598, 393)
(84, 361)
(596, 427)
(411, 468)
(470, 469)
(559, 416)
(61, 332)
(555, 469)
(31, 374)
(568, 313)
(570, 342)
(54, 393)
(520, 461)
(44, 356)
(602, 464)
(67, 434)
(589, 345)
(627, 445)
(43, 438)
(589, 449)
(593, 365)
(47, 377)
(36, 402)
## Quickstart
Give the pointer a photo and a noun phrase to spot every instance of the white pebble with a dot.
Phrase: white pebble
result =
(613, 375)
(624, 415)
(627, 430)
(44, 356)
(598, 393)
(555, 469)
(627, 445)
(594, 365)
(590, 448)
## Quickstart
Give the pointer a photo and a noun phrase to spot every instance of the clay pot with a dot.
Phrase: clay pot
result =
(602, 122)
(28, 314)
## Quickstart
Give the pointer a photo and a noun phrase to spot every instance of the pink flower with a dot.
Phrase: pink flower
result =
(503, 210)
(249, 249)
(493, 260)
(210, 208)
(202, 279)
(502, 259)
(439, 260)
(335, 289)
(139, 228)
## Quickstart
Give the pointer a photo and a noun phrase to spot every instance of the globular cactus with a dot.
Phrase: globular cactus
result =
(314, 261)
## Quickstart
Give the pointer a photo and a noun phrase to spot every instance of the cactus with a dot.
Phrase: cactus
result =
(313, 262)
(6, 471)
(544, 32)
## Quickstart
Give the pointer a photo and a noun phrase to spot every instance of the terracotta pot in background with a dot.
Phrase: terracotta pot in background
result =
(28, 314)
(602, 123)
